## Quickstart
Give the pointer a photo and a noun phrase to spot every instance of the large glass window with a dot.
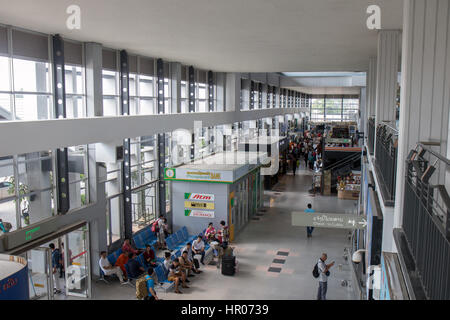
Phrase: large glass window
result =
(317, 110)
(334, 108)
(26, 189)
(110, 83)
(201, 97)
(75, 96)
(350, 109)
(32, 90)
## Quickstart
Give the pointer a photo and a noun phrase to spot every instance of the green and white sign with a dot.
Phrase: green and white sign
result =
(199, 213)
(329, 220)
(170, 173)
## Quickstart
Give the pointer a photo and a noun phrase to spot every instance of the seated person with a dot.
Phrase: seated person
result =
(149, 256)
(167, 261)
(121, 262)
(185, 264)
(126, 247)
(191, 258)
(108, 269)
(210, 233)
(134, 266)
(198, 246)
(175, 275)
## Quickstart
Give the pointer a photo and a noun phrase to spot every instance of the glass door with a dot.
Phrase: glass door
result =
(76, 258)
(40, 273)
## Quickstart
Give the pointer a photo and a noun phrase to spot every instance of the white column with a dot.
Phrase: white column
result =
(387, 74)
(425, 93)
(371, 85)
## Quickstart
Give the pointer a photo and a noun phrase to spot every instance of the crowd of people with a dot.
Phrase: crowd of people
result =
(305, 148)
(177, 270)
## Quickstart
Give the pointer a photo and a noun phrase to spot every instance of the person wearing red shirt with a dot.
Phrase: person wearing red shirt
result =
(126, 247)
(149, 256)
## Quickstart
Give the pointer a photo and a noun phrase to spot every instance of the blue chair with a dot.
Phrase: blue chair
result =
(186, 234)
(181, 237)
(162, 279)
(176, 240)
(172, 245)
(142, 261)
(112, 258)
(137, 241)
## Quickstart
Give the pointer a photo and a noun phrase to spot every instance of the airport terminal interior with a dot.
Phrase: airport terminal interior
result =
(225, 150)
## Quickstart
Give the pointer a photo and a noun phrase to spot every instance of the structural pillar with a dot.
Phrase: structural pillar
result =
(387, 75)
(425, 94)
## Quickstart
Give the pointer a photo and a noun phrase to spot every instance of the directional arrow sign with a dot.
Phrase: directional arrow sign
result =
(329, 220)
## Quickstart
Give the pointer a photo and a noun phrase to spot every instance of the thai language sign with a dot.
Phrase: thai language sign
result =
(329, 220)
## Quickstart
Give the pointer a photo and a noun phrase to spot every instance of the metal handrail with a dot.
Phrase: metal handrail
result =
(437, 155)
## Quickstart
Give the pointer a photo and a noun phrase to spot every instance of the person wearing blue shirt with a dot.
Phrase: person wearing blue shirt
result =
(150, 285)
(309, 230)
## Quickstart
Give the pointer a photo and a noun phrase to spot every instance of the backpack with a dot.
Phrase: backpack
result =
(315, 271)
(141, 288)
(155, 226)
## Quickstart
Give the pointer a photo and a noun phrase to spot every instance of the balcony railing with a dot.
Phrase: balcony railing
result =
(386, 161)
(426, 220)
(371, 135)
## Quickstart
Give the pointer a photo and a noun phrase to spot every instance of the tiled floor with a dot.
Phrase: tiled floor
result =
(275, 258)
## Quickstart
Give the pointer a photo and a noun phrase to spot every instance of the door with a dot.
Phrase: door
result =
(40, 273)
(76, 258)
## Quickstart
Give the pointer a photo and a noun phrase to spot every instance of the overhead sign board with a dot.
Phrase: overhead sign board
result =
(329, 220)
(189, 174)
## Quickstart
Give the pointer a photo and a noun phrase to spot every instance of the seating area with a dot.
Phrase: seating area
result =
(175, 243)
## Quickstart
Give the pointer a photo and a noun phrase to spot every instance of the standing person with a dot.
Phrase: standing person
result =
(56, 264)
(305, 154)
(294, 164)
(150, 285)
(310, 159)
(224, 233)
(309, 230)
(323, 276)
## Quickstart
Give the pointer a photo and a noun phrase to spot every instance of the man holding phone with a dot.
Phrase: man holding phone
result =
(323, 276)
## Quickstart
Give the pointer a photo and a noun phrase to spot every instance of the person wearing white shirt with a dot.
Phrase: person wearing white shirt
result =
(198, 246)
(108, 269)
(190, 256)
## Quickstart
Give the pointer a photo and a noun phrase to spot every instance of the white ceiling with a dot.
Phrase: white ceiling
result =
(222, 35)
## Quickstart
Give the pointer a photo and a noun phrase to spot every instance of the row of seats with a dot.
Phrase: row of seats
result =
(145, 237)
(178, 240)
